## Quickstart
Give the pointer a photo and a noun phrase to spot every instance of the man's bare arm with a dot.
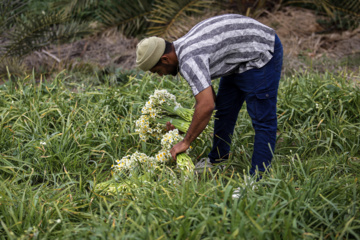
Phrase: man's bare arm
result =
(204, 107)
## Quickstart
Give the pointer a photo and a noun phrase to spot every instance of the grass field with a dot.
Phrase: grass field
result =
(59, 139)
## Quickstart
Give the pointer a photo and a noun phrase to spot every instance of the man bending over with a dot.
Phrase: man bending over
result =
(247, 57)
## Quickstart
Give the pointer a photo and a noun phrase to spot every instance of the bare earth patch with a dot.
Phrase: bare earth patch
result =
(302, 35)
(297, 28)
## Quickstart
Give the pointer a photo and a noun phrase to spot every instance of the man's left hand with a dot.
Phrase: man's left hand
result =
(179, 148)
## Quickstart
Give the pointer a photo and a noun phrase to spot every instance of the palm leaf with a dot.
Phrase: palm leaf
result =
(167, 13)
(75, 6)
(128, 16)
(351, 7)
(40, 31)
(9, 11)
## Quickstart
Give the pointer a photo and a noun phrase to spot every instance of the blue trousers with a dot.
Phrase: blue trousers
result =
(258, 87)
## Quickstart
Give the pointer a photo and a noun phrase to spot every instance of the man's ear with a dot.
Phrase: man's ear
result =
(165, 59)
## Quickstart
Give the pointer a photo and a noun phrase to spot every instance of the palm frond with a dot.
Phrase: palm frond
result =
(40, 31)
(75, 6)
(9, 11)
(167, 13)
(128, 16)
(349, 6)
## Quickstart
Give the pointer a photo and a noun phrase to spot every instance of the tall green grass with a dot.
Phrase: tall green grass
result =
(57, 144)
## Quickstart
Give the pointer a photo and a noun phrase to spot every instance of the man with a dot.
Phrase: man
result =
(247, 56)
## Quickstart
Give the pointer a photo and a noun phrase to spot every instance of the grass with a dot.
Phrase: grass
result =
(57, 144)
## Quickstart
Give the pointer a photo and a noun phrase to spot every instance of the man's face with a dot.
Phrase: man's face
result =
(165, 69)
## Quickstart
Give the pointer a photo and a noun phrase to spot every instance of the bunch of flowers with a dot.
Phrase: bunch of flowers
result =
(167, 142)
(147, 128)
(162, 107)
(131, 162)
(170, 138)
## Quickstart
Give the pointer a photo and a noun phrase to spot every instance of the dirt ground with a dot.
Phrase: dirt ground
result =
(297, 28)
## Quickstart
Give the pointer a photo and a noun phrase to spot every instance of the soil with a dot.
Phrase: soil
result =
(298, 29)
(300, 32)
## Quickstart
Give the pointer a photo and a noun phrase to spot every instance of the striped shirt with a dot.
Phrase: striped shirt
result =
(223, 45)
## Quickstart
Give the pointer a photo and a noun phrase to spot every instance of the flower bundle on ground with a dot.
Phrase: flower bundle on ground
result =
(161, 108)
(132, 162)
(138, 160)
(183, 160)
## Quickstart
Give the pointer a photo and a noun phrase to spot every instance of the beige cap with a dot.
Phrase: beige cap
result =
(149, 52)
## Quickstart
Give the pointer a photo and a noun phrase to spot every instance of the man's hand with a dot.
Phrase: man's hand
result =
(179, 148)
(169, 126)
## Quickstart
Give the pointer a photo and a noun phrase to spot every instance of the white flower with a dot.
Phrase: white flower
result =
(42, 143)
(170, 138)
(145, 125)
(163, 156)
(130, 162)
